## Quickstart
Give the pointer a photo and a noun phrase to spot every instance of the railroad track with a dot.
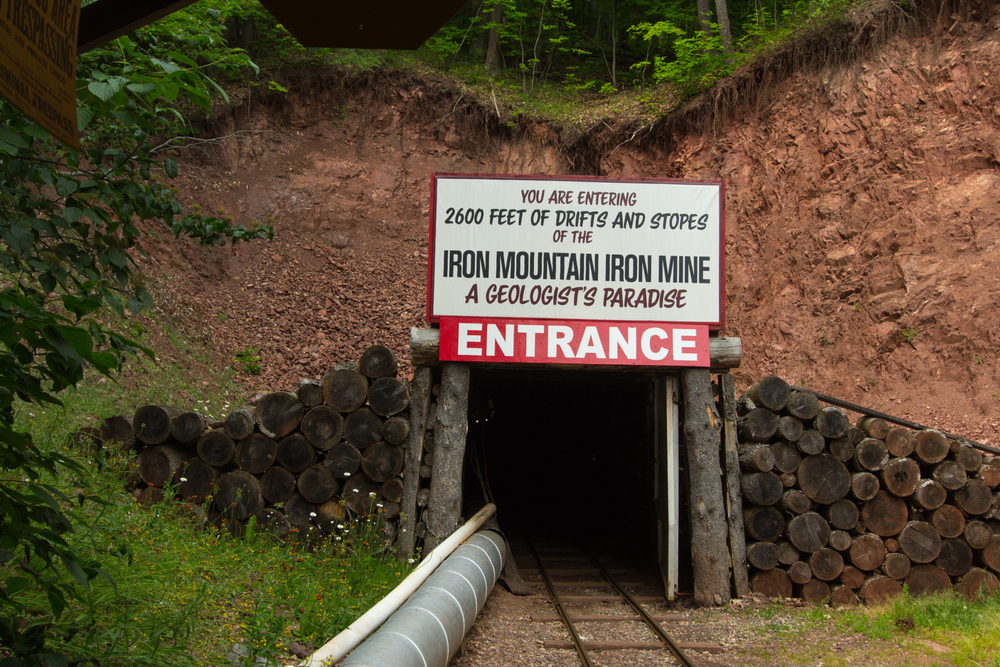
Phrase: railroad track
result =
(580, 583)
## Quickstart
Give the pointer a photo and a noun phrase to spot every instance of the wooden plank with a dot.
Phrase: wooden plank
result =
(705, 647)
(574, 572)
(673, 433)
(600, 598)
(597, 584)
(608, 618)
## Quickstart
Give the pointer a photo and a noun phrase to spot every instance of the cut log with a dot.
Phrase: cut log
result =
(322, 426)
(974, 498)
(86, 439)
(864, 486)
(363, 428)
(896, 566)
(396, 430)
(932, 446)
(879, 589)
(772, 583)
(948, 520)
(811, 442)
(978, 534)
(329, 515)
(809, 532)
(342, 460)
(800, 572)
(309, 392)
(929, 495)
(823, 478)
(393, 490)
(388, 396)
(762, 555)
(871, 455)
(950, 475)
(390, 510)
(157, 464)
(299, 511)
(852, 577)
(794, 501)
(426, 472)
(920, 542)
(237, 494)
(874, 427)
(885, 514)
(842, 596)
(423, 496)
(762, 488)
(978, 584)
(926, 579)
(361, 494)
(786, 456)
(970, 458)
(277, 485)
(843, 514)
(378, 361)
(278, 414)
(116, 432)
(317, 484)
(256, 453)
(900, 442)
(216, 448)
(239, 424)
(989, 556)
(756, 457)
(787, 554)
(790, 428)
(772, 393)
(788, 480)
(831, 421)
(867, 552)
(295, 454)
(188, 427)
(195, 480)
(272, 521)
(382, 461)
(826, 564)
(840, 540)
(990, 474)
(151, 495)
(841, 449)
(344, 389)
(151, 423)
(764, 524)
(815, 591)
(901, 477)
(803, 404)
(955, 557)
(758, 425)
(891, 544)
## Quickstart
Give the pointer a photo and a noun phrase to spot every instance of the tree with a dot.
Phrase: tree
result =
(68, 246)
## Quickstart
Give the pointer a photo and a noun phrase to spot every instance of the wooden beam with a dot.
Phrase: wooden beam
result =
(420, 401)
(734, 497)
(105, 20)
(451, 425)
(704, 647)
(724, 354)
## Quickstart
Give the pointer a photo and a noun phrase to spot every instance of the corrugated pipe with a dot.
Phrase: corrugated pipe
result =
(347, 640)
(429, 628)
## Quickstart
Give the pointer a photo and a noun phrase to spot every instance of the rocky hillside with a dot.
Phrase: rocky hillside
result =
(862, 216)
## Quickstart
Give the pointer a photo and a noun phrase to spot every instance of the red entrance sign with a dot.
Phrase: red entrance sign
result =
(574, 342)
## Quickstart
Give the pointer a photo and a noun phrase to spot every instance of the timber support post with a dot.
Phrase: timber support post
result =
(734, 497)
(709, 548)
(451, 425)
(420, 402)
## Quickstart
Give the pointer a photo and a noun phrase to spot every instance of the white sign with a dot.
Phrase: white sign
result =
(576, 249)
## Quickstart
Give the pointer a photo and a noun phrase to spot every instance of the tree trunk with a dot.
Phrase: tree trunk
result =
(800, 573)
(772, 393)
(831, 421)
(761, 488)
(188, 427)
(864, 485)
(195, 480)
(867, 552)
(494, 58)
(421, 400)
(955, 557)
(278, 414)
(239, 424)
(323, 426)
(809, 532)
(762, 555)
(378, 361)
(756, 457)
(803, 404)
(870, 454)
(363, 428)
(309, 392)
(901, 477)
(929, 495)
(277, 485)
(974, 498)
(978, 534)
(823, 478)
(237, 494)
(705, 26)
(885, 514)
(811, 442)
(344, 389)
(758, 425)
(317, 484)
(932, 446)
(794, 501)
(725, 32)
(450, 430)
(396, 430)
(843, 514)
(764, 524)
(896, 566)
(295, 454)
(879, 589)
(382, 461)
(771, 583)
(151, 423)
(271, 521)
(388, 396)
(948, 521)
(786, 456)
(826, 564)
(216, 448)
(158, 463)
(978, 585)
(256, 453)
(927, 579)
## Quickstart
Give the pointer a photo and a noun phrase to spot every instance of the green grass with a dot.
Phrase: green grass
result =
(184, 592)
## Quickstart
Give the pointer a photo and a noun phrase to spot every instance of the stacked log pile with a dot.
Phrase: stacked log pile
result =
(842, 512)
(300, 459)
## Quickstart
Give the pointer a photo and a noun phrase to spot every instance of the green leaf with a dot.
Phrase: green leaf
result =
(134, 305)
(165, 65)
(16, 584)
(74, 568)
(37, 132)
(170, 166)
(102, 90)
(11, 138)
(66, 186)
(55, 338)
(83, 117)
(142, 88)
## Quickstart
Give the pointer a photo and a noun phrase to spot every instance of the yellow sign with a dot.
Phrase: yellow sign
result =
(38, 62)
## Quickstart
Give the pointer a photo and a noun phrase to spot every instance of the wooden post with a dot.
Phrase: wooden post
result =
(667, 481)
(734, 497)
(450, 428)
(702, 427)
(420, 404)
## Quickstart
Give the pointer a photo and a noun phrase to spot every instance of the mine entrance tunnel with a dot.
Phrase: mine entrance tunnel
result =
(566, 455)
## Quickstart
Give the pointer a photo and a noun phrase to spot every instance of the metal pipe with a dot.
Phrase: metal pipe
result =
(346, 641)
